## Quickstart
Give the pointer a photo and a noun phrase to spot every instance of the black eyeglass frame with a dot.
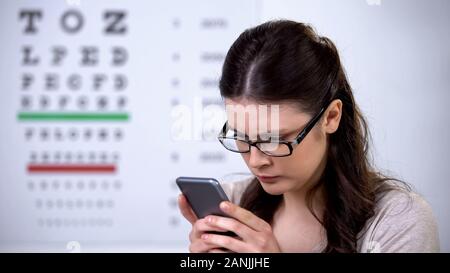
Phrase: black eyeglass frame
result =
(291, 144)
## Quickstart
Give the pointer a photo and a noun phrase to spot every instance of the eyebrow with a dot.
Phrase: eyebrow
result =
(281, 132)
(285, 131)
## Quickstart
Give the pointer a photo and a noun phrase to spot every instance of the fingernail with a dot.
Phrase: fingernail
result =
(224, 206)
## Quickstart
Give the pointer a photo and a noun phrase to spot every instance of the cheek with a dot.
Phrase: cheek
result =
(305, 158)
(245, 156)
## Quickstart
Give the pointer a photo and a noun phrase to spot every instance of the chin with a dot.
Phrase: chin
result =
(274, 188)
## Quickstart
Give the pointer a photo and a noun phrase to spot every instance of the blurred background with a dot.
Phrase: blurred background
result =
(104, 103)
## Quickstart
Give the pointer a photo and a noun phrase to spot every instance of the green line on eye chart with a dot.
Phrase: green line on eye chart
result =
(74, 116)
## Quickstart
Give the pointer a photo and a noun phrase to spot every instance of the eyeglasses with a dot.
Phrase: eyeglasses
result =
(272, 147)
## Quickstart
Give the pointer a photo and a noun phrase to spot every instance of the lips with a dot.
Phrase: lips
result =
(267, 178)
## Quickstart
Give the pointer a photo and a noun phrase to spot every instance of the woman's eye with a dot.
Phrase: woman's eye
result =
(275, 138)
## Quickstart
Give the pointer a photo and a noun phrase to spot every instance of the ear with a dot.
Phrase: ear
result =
(332, 117)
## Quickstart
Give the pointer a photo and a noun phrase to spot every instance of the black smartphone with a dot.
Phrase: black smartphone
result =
(204, 194)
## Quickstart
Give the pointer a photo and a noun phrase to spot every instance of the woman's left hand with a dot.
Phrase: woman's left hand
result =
(255, 234)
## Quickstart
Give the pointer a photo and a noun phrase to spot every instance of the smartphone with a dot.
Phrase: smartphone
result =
(204, 195)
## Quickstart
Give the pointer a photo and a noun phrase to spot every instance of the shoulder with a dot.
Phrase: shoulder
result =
(403, 222)
(234, 188)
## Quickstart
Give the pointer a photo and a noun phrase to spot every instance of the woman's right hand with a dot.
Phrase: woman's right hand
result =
(199, 227)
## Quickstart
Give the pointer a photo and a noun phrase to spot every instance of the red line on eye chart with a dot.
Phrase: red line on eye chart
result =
(71, 168)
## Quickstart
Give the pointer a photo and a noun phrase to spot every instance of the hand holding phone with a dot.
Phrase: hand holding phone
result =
(204, 196)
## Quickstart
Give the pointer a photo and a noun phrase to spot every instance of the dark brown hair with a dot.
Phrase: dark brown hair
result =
(286, 61)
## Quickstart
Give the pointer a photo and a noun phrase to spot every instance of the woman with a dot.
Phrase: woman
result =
(314, 188)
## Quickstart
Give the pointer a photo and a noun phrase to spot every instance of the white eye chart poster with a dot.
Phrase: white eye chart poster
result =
(89, 132)
(103, 103)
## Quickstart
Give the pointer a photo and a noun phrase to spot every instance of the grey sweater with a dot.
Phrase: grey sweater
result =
(403, 222)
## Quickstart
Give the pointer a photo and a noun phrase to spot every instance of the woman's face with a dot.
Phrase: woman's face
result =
(308, 159)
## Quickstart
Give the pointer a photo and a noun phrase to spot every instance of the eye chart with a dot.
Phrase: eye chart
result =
(89, 122)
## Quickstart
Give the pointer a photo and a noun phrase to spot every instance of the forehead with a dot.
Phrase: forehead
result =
(253, 117)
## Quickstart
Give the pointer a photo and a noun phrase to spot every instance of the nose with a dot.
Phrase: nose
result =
(257, 159)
